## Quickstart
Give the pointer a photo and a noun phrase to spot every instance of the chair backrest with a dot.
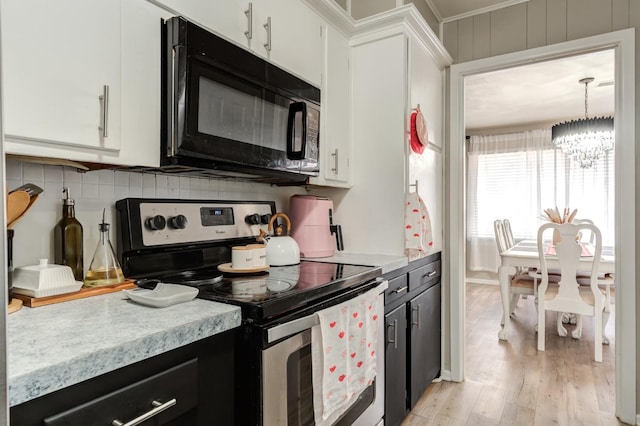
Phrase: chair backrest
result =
(508, 234)
(583, 236)
(501, 239)
(568, 252)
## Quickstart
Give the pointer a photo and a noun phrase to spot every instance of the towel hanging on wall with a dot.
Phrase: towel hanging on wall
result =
(418, 236)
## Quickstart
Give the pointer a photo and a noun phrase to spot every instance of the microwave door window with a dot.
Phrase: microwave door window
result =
(234, 120)
(227, 113)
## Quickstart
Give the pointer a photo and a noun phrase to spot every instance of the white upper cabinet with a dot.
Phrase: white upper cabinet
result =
(335, 115)
(61, 72)
(285, 32)
(293, 38)
(141, 83)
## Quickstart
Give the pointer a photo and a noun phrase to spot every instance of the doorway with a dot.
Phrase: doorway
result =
(622, 42)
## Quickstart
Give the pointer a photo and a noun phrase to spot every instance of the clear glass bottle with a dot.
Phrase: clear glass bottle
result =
(104, 268)
(68, 238)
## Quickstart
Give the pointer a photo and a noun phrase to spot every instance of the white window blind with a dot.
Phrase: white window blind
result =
(516, 176)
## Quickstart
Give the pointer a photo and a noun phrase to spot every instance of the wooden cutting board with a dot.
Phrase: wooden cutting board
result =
(34, 302)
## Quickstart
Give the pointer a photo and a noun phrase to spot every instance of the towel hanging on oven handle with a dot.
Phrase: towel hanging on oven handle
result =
(307, 322)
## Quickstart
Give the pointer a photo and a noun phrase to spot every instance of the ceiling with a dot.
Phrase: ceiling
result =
(541, 92)
(544, 92)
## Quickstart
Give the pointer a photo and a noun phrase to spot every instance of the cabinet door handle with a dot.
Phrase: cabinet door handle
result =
(158, 408)
(334, 154)
(104, 100)
(395, 334)
(431, 274)
(267, 27)
(416, 309)
(400, 290)
(249, 14)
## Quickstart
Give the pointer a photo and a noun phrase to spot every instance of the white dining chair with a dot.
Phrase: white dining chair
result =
(508, 233)
(568, 295)
(605, 281)
(522, 282)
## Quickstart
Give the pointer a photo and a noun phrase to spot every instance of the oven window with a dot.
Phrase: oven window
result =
(300, 388)
(300, 393)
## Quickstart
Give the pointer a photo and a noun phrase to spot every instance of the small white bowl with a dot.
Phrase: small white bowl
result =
(44, 280)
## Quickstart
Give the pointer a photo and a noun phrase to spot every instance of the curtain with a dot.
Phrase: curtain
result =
(516, 176)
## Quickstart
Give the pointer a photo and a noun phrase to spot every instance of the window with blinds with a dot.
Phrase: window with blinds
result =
(516, 179)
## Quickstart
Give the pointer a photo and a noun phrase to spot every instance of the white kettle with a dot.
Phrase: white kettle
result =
(282, 250)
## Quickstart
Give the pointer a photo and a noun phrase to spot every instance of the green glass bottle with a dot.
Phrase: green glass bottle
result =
(68, 238)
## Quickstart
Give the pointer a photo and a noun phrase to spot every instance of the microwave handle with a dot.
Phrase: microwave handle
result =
(294, 109)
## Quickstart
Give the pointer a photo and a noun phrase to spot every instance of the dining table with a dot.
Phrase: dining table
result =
(525, 254)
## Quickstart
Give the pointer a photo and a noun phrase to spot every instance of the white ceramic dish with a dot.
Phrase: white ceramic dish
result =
(162, 295)
(52, 291)
(44, 280)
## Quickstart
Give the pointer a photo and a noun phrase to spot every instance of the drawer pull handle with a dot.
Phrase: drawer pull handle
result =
(432, 273)
(158, 408)
(400, 290)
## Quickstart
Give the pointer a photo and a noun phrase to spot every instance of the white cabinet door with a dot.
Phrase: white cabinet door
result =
(335, 115)
(56, 58)
(425, 89)
(226, 18)
(294, 39)
(141, 83)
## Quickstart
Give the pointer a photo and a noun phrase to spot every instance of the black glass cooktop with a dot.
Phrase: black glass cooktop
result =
(282, 289)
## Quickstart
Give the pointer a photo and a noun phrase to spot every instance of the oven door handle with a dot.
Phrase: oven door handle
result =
(301, 324)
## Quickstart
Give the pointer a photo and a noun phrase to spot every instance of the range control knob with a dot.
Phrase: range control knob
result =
(178, 222)
(265, 218)
(156, 223)
(252, 219)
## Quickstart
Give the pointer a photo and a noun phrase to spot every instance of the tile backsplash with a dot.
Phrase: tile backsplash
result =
(93, 191)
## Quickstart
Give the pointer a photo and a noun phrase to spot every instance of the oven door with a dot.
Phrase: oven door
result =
(287, 384)
(221, 116)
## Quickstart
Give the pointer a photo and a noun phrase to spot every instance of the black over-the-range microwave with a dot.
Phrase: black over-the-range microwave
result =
(228, 112)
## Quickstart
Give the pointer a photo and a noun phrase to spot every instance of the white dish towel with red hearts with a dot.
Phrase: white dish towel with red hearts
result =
(418, 236)
(343, 351)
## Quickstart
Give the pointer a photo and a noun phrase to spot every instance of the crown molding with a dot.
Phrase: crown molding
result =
(482, 10)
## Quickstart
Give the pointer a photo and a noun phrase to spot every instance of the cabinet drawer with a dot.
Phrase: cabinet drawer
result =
(425, 276)
(397, 288)
(179, 383)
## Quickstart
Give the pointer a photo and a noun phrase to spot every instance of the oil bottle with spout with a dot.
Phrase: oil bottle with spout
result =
(104, 268)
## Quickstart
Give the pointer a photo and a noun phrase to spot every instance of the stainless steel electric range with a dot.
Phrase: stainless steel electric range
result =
(184, 242)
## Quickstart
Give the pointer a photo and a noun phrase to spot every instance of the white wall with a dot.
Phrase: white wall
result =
(96, 190)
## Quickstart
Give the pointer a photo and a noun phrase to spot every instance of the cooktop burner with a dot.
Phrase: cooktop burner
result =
(283, 288)
(194, 277)
(253, 288)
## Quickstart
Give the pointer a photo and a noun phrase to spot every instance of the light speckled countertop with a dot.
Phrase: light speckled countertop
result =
(55, 346)
(387, 262)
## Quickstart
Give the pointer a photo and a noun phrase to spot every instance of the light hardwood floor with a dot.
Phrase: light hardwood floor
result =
(511, 383)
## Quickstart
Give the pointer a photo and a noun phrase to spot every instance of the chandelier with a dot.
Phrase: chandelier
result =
(585, 140)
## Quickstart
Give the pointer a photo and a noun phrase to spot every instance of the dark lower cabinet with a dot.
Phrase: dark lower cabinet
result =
(395, 403)
(413, 336)
(188, 386)
(424, 357)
